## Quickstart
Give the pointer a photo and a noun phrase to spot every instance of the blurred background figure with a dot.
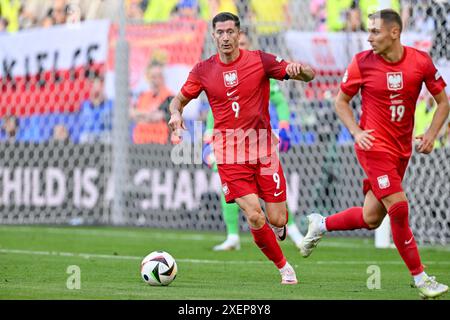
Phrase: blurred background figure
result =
(10, 10)
(9, 128)
(60, 133)
(318, 11)
(95, 115)
(270, 18)
(3, 25)
(135, 10)
(150, 113)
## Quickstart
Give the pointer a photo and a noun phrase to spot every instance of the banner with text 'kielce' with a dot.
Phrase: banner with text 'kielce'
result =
(47, 69)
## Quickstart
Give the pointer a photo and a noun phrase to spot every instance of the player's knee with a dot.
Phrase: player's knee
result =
(373, 222)
(255, 218)
(278, 220)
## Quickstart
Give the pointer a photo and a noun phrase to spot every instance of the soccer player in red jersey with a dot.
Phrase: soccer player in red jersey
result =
(236, 82)
(390, 77)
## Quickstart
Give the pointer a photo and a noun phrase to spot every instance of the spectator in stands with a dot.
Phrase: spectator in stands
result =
(270, 19)
(344, 15)
(9, 10)
(187, 9)
(370, 6)
(59, 11)
(48, 21)
(74, 14)
(135, 10)
(318, 11)
(217, 6)
(3, 25)
(94, 123)
(9, 128)
(150, 113)
(204, 9)
(60, 133)
(337, 12)
(159, 10)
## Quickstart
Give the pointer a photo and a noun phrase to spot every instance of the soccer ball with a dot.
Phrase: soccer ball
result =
(158, 268)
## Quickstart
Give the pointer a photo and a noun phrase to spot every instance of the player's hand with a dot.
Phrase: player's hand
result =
(294, 70)
(426, 143)
(285, 140)
(364, 139)
(176, 124)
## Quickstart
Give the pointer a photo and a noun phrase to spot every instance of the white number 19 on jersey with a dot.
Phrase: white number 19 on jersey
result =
(397, 113)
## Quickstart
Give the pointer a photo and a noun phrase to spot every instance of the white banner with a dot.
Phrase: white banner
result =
(57, 48)
(334, 51)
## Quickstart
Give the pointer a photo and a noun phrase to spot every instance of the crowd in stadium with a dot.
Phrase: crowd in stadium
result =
(266, 19)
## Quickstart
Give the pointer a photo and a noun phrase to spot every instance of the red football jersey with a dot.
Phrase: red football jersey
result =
(389, 94)
(238, 93)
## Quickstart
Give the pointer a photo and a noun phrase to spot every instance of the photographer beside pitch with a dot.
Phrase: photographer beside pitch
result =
(236, 82)
(390, 77)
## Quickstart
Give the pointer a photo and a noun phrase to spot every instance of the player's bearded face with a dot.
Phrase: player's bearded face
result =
(379, 35)
(226, 37)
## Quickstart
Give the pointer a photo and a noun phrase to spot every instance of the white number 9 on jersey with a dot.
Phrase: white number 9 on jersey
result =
(235, 107)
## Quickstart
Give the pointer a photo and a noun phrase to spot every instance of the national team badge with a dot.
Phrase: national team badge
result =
(225, 189)
(395, 80)
(230, 78)
(383, 182)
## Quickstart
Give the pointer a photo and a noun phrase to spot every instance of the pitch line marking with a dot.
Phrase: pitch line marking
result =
(204, 261)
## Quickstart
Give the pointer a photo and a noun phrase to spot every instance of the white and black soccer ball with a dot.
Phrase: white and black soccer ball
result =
(158, 268)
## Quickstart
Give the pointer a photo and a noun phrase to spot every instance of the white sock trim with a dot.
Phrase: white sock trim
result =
(323, 225)
(418, 278)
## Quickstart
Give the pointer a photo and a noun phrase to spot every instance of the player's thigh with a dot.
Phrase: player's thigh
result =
(252, 209)
(271, 181)
(277, 213)
(373, 210)
(393, 199)
(383, 175)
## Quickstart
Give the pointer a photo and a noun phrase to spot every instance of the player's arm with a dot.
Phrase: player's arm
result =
(176, 106)
(344, 111)
(300, 72)
(277, 68)
(440, 116)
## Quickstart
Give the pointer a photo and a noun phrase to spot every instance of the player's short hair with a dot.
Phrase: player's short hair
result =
(389, 16)
(226, 16)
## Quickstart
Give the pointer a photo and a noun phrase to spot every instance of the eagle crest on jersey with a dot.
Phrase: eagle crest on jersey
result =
(230, 78)
(395, 80)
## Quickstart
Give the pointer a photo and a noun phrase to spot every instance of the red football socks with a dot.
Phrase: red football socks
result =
(404, 238)
(349, 219)
(266, 241)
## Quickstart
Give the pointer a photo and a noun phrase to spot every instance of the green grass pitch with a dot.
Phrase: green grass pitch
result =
(34, 262)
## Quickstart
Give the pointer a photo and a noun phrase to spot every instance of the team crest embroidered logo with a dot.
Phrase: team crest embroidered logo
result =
(395, 80)
(383, 182)
(230, 78)
(225, 189)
